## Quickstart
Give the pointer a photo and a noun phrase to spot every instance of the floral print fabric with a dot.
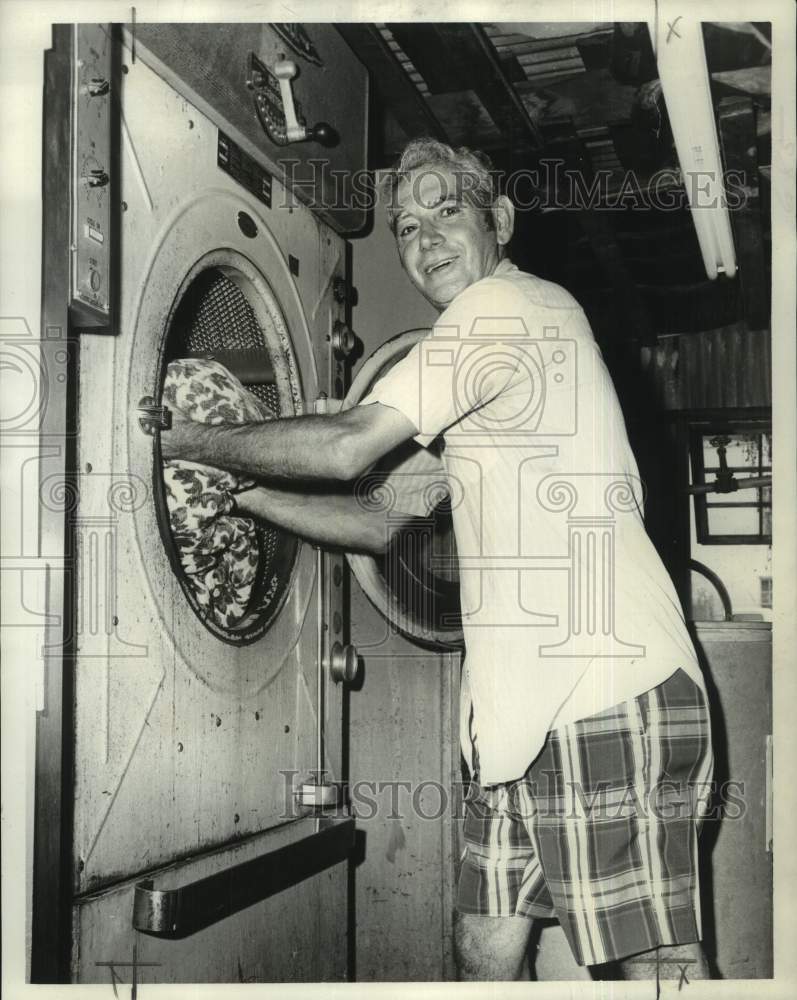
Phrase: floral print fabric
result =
(218, 550)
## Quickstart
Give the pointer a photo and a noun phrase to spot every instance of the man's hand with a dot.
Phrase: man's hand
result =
(184, 432)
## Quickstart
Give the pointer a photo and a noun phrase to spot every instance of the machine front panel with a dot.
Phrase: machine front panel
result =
(188, 735)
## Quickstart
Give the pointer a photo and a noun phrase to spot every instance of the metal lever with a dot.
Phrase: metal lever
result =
(154, 417)
(322, 132)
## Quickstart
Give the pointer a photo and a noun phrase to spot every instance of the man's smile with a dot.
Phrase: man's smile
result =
(438, 264)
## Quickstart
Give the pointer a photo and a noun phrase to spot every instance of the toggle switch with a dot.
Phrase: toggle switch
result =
(96, 177)
(97, 86)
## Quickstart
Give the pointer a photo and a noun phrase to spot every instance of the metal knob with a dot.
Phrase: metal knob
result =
(323, 133)
(343, 292)
(343, 340)
(342, 663)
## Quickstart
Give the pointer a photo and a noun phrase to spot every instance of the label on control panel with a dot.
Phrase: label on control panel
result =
(243, 169)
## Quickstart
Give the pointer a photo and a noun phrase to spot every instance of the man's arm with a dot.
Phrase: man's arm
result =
(337, 446)
(335, 520)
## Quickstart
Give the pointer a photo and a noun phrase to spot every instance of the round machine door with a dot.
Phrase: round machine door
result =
(415, 585)
(235, 573)
(246, 586)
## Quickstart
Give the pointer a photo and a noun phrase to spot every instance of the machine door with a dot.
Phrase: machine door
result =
(416, 586)
(194, 731)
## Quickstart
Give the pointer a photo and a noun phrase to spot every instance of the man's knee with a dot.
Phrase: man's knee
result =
(490, 948)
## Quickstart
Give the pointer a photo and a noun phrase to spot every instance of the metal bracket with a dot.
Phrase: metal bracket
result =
(176, 913)
(327, 404)
(155, 418)
(318, 794)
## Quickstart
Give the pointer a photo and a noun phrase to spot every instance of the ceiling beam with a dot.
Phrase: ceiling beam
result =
(525, 46)
(455, 57)
(391, 84)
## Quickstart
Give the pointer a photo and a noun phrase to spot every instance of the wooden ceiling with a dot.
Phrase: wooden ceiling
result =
(588, 95)
(508, 88)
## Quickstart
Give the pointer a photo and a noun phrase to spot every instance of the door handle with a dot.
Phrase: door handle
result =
(177, 912)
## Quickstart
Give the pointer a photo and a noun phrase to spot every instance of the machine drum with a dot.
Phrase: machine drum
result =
(232, 340)
(415, 585)
(420, 573)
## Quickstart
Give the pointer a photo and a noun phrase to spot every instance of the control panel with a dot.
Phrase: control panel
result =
(292, 97)
(90, 263)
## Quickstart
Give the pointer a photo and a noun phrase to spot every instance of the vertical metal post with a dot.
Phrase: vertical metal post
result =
(320, 663)
(52, 834)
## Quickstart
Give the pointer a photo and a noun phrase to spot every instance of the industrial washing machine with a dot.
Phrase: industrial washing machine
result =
(188, 825)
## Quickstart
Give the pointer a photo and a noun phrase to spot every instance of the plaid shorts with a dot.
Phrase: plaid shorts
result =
(601, 831)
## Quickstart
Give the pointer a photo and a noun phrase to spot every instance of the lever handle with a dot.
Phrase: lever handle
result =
(285, 71)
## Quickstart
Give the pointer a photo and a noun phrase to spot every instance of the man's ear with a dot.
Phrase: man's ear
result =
(504, 218)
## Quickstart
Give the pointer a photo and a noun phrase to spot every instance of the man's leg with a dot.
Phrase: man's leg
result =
(674, 962)
(490, 948)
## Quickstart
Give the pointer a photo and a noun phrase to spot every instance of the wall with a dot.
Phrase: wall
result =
(736, 843)
(727, 367)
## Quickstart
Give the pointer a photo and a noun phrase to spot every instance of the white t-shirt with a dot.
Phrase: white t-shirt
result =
(567, 608)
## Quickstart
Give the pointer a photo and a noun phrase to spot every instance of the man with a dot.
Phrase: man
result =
(584, 718)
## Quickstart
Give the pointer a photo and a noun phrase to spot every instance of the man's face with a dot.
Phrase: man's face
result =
(443, 241)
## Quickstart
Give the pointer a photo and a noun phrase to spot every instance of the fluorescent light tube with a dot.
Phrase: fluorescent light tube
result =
(678, 45)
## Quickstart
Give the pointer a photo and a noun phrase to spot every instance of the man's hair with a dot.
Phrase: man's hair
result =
(476, 177)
